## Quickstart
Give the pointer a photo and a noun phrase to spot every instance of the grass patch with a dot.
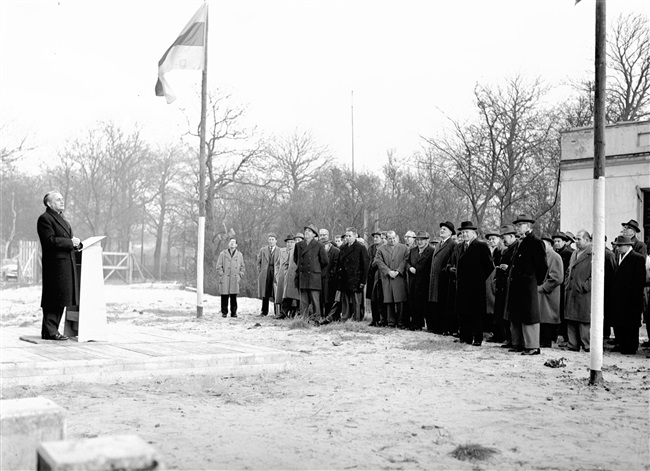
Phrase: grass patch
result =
(298, 322)
(473, 452)
(434, 344)
(350, 326)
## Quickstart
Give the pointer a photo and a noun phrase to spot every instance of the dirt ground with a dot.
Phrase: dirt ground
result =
(356, 397)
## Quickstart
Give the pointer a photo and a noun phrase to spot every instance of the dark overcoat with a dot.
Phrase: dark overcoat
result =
(628, 290)
(60, 278)
(639, 247)
(392, 258)
(353, 267)
(230, 269)
(610, 271)
(328, 277)
(527, 273)
(372, 270)
(473, 267)
(549, 291)
(266, 258)
(419, 282)
(310, 258)
(439, 279)
(501, 281)
(577, 289)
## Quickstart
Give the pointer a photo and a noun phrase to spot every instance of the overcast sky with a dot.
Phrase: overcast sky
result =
(64, 65)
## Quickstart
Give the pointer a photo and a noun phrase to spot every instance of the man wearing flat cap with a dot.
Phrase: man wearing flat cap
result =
(501, 332)
(631, 229)
(311, 258)
(473, 267)
(629, 280)
(418, 267)
(375, 299)
(439, 320)
(527, 273)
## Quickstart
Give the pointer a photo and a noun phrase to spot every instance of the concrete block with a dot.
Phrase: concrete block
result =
(123, 452)
(24, 424)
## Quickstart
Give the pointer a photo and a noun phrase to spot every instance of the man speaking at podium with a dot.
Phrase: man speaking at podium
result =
(60, 283)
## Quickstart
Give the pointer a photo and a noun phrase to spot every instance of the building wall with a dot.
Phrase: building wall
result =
(627, 173)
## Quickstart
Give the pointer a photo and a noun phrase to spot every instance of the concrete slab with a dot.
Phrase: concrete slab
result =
(131, 352)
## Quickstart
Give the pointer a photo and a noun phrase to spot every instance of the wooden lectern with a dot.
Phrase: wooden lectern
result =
(89, 322)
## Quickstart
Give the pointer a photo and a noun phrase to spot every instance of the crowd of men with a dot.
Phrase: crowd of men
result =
(511, 287)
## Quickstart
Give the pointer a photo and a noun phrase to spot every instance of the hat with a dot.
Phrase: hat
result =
(570, 236)
(507, 229)
(449, 225)
(547, 237)
(409, 234)
(272, 234)
(422, 235)
(436, 240)
(633, 224)
(524, 218)
(377, 232)
(467, 225)
(562, 235)
(300, 235)
(623, 240)
(289, 237)
(312, 228)
(492, 233)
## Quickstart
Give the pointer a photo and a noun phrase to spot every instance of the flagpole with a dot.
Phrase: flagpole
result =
(201, 231)
(598, 241)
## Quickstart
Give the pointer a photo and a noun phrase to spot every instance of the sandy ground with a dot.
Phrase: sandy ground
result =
(357, 397)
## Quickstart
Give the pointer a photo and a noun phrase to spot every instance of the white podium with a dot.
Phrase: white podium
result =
(90, 320)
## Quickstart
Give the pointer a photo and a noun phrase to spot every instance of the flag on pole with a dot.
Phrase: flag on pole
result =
(187, 52)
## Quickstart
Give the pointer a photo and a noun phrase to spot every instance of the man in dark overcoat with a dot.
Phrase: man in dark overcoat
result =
(473, 268)
(527, 273)
(311, 258)
(60, 277)
(375, 304)
(629, 281)
(353, 274)
(562, 245)
(266, 259)
(439, 281)
(508, 235)
(328, 276)
(631, 229)
(418, 266)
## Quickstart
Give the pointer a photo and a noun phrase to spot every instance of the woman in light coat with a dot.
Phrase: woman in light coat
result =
(230, 269)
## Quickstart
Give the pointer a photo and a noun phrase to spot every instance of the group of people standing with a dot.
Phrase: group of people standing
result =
(524, 290)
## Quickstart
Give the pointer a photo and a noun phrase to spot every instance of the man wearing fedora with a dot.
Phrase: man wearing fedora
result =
(629, 280)
(352, 276)
(311, 258)
(631, 229)
(438, 321)
(374, 297)
(473, 268)
(418, 267)
(527, 273)
(509, 236)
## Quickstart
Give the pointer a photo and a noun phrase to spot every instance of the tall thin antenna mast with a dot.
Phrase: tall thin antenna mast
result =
(352, 116)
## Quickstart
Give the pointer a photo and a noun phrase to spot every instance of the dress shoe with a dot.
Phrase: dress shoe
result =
(382, 324)
(59, 337)
(477, 344)
(516, 349)
(373, 324)
(224, 314)
(234, 314)
(263, 314)
(587, 350)
(646, 344)
(531, 351)
(507, 345)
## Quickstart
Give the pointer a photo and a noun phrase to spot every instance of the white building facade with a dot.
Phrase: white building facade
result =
(627, 173)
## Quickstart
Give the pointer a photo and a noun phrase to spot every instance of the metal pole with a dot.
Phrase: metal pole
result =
(201, 232)
(598, 241)
(352, 116)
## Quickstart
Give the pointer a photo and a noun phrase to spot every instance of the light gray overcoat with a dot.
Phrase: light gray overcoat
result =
(549, 291)
(577, 306)
(392, 258)
(230, 270)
